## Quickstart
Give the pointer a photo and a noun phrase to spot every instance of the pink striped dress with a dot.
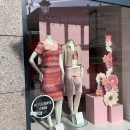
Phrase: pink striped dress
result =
(50, 68)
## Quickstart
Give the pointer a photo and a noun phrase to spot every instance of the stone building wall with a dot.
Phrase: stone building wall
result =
(12, 82)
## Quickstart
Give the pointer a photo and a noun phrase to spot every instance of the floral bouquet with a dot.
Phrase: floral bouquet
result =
(107, 83)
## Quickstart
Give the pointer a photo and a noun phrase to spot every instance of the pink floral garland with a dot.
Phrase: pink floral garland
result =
(107, 83)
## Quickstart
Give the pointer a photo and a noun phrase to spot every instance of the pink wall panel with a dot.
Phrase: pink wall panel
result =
(74, 33)
(57, 32)
(42, 29)
(86, 65)
(86, 35)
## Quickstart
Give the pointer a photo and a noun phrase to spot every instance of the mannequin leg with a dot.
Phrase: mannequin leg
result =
(69, 85)
(78, 92)
(72, 115)
(58, 111)
(49, 122)
(75, 110)
(72, 110)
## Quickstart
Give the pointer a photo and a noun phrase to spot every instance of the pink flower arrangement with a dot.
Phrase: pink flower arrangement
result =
(99, 87)
(99, 91)
(104, 81)
(109, 56)
(105, 59)
(107, 83)
(108, 64)
(108, 37)
(113, 80)
(108, 87)
(109, 59)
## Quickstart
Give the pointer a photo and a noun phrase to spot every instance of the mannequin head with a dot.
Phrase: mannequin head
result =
(70, 42)
(48, 37)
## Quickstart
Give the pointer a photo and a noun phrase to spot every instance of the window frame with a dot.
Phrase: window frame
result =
(125, 3)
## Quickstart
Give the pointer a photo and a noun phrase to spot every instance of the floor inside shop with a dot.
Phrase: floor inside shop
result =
(121, 125)
(41, 124)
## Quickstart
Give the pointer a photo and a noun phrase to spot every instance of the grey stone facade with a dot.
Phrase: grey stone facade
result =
(12, 82)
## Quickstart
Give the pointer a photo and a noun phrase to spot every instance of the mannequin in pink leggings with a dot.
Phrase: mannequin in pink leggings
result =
(72, 60)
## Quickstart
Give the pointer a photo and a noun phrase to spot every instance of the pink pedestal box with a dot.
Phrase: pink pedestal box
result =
(115, 113)
(96, 111)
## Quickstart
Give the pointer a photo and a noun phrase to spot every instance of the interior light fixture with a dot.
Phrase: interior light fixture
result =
(45, 5)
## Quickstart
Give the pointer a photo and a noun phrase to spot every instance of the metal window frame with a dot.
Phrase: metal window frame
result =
(25, 46)
(125, 3)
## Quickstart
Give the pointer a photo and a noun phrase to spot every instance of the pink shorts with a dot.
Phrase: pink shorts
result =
(73, 78)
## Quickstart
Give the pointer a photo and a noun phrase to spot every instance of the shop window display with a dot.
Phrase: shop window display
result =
(67, 51)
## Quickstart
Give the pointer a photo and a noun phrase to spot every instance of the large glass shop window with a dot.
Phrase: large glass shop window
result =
(78, 51)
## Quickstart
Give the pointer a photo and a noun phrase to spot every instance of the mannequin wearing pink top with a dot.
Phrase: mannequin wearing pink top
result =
(49, 73)
(73, 74)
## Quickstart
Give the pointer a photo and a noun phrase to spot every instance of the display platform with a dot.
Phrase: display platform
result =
(70, 123)
(115, 113)
(96, 111)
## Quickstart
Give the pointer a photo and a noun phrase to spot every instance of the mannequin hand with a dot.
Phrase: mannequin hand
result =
(82, 72)
(82, 75)
(40, 77)
(63, 85)
(62, 78)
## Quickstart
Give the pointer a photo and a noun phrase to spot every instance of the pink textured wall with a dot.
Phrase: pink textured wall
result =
(68, 23)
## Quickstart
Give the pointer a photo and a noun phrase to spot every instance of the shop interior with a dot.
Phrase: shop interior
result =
(86, 22)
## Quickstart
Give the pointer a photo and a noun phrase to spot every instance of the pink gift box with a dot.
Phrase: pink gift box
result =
(115, 113)
(96, 111)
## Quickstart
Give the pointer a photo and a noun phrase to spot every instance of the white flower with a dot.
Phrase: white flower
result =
(109, 72)
(109, 46)
(99, 77)
(110, 98)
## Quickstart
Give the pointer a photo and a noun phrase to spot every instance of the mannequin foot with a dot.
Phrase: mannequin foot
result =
(73, 119)
(52, 128)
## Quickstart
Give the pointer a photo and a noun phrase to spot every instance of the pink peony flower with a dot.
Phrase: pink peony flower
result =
(100, 92)
(108, 37)
(99, 87)
(111, 57)
(108, 87)
(109, 64)
(113, 80)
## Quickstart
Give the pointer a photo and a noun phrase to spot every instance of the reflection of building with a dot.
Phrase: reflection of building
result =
(13, 55)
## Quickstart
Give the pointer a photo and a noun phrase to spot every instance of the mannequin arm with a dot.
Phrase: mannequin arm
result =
(82, 72)
(61, 67)
(31, 61)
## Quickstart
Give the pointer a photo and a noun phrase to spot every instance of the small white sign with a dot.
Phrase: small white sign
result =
(36, 113)
(79, 118)
(59, 126)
